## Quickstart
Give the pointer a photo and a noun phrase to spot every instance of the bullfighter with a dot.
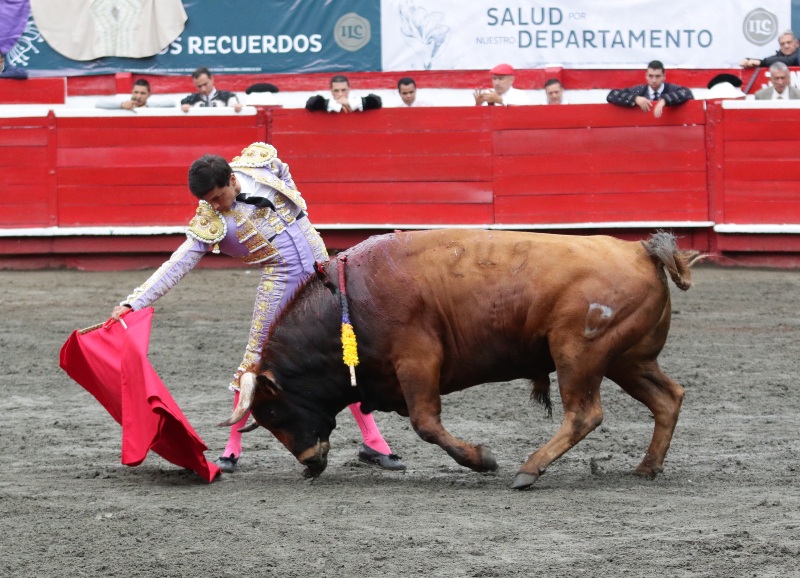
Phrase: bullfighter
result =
(251, 210)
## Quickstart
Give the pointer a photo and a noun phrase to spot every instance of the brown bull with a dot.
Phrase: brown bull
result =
(439, 311)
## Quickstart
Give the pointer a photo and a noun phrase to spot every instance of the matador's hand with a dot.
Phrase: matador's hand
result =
(119, 311)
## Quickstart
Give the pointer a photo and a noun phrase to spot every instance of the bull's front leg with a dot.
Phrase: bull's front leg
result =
(420, 384)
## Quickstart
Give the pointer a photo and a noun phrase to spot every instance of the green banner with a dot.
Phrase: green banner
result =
(238, 37)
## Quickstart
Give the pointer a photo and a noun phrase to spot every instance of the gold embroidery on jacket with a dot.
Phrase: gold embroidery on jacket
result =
(258, 247)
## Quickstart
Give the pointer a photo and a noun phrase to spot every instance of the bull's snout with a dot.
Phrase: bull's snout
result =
(315, 459)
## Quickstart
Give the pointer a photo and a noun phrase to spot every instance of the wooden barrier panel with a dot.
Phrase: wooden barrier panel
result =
(27, 198)
(33, 91)
(131, 170)
(754, 183)
(394, 166)
(761, 172)
(599, 163)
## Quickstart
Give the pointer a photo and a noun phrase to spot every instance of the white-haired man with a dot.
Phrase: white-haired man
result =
(781, 88)
(787, 53)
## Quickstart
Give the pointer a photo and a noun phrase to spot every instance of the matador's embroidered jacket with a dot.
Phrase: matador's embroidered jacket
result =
(268, 205)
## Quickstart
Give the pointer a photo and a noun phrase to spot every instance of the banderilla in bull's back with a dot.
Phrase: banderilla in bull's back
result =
(439, 311)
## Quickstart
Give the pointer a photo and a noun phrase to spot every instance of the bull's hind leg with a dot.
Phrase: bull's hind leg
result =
(420, 384)
(645, 382)
(580, 395)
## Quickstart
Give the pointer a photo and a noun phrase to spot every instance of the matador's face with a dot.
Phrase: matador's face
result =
(222, 198)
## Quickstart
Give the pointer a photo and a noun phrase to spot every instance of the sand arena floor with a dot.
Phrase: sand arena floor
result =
(728, 503)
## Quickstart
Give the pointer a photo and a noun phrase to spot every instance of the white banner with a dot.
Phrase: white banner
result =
(478, 34)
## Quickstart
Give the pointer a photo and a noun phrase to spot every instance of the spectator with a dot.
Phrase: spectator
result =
(9, 71)
(140, 97)
(780, 89)
(262, 93)
(262, 87)
(207, 95)
(503, 92)
(787, 54)
(554, 91)
(724, 86)
(342, 101)
(654, 95)
(407, 89)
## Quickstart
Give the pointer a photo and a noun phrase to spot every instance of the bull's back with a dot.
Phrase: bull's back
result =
(494, 295)
(449, 264)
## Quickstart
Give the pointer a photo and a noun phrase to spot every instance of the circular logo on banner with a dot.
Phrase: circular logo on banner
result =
(760, 26)
(352, 32)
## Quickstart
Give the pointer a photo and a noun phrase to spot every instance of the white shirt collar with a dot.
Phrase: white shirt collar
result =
(783, 96)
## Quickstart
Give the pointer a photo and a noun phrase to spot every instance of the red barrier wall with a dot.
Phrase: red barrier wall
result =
(27, 175)
(423, 167)
(577, 168)
(33, 91)
(132, 170)
(523, 166)
(755, 185)
(760, 166)
(596, 163)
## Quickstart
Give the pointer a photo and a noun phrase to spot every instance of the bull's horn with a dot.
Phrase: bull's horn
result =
(249, 427)
(247, 387)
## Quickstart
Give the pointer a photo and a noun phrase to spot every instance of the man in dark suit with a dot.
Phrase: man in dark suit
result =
(788, 53)
(342, 101)
(654, 95)
(207, 94)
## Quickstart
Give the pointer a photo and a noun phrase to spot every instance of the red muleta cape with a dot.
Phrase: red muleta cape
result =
(111, 363)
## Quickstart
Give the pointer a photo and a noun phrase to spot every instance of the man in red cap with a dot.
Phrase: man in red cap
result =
(503, 92)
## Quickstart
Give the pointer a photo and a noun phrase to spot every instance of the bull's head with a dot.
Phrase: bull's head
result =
(292, 419)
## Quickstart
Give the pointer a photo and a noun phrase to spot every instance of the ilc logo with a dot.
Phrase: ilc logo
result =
(760, 26)
(352, 32)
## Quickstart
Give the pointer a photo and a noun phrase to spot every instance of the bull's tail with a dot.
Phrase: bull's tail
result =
(540, 393)
(663, 248)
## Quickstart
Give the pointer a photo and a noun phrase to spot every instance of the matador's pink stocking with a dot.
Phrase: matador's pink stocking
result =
(369, 430)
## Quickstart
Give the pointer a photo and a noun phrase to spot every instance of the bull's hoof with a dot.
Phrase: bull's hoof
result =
(488, 461)
(647, 472)
(523, 481)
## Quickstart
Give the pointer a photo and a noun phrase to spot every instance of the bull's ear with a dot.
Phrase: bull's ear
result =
(323, 276)
(266, 386)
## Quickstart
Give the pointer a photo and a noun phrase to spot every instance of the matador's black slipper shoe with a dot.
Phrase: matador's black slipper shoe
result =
(227, 464)
(387, 461)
